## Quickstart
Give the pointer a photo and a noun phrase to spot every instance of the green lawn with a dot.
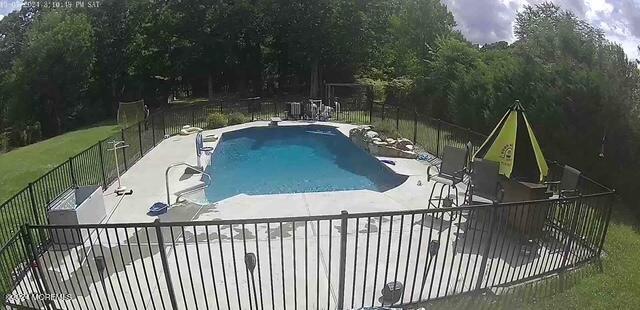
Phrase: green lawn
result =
(614, 284)
(23, 165)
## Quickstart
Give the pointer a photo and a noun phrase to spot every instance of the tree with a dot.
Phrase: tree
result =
(13, 29)
(113, 34)
(49, 79)
(416, 27)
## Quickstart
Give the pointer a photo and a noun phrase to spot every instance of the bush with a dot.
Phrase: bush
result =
(237, 118)
(387, 129)
(4, 142)
(217, 120)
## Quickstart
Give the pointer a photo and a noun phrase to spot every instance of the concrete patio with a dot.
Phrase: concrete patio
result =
(297, 265)
(147, 179)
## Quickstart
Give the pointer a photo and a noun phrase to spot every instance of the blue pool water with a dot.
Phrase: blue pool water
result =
(294, 159)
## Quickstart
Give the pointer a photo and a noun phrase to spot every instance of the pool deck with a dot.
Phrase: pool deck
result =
(147, 179)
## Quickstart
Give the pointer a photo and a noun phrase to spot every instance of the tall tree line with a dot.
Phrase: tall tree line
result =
(60, 69)
(127, 50)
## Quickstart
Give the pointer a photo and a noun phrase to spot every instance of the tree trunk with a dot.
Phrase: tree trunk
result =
(210, 88)
(314, 82)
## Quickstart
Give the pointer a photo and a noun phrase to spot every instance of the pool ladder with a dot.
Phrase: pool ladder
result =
(166, 177)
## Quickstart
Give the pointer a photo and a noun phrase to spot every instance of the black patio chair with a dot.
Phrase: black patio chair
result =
(568, 184)
(483, 188)
(484, 185)
(449, 174)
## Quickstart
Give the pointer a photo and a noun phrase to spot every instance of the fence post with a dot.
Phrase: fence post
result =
(72, 172)
(193, 117)
(485, 255)
(397, 117)
(153, 130)
(343, 258)
(253, 110)
(104, 177)
(140, 139)
(438, 138)
(370, 110)
(606, 225)
(124, 152)
(382, 116)
(35, 265)
(164, 125)
(415, 127)
(572, 232)
(34, 206)
(165, 264)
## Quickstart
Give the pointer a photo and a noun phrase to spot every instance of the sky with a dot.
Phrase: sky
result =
(486, 21)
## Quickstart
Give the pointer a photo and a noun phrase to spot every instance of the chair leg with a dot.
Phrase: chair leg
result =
(457, 194)
(440, 197)
(433, 189)
(452, 216)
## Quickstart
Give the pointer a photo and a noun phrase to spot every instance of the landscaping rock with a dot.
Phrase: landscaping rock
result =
(404, 144)
(378, 145)
(371, 134)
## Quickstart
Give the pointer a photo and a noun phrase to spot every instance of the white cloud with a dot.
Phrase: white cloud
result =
(484, 21)
(8, 6)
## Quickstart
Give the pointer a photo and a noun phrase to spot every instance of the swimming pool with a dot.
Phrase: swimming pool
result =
(293, 159)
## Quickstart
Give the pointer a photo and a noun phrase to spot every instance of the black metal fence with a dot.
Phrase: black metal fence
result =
(577, 224)
(317, 262)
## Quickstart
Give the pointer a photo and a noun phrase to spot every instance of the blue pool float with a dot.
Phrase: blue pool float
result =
(158, 208)
(424, 157)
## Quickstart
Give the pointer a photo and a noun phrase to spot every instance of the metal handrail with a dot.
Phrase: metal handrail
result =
(166, 177)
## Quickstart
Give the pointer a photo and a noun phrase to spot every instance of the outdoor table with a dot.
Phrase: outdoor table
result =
(527, 219)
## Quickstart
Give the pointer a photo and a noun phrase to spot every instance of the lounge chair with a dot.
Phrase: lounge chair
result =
(187, 130)
(484, 188)
(449, 174)
(568, 184)
(294, 110)
(484, 185)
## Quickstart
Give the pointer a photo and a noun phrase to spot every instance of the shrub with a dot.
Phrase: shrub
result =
(387, 129)
(237, 118)
(4, 142)
(217, 120)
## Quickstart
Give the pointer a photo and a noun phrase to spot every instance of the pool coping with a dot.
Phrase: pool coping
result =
(145, 176)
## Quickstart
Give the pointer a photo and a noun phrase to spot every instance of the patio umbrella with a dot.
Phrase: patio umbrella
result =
(514, 145)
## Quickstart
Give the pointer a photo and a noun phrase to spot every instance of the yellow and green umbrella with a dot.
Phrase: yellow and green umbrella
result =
(514, 146)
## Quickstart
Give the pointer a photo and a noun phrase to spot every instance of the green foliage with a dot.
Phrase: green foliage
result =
(4, 143)
(382, 89)
(23, 165)
(52, 73)
(61, 68)
(386, 129)
(236, 118)
(575, 85)
(415, 28)
(217, 120)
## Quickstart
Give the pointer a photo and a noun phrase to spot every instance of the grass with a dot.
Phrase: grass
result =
(23, 165)
(614, 283)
